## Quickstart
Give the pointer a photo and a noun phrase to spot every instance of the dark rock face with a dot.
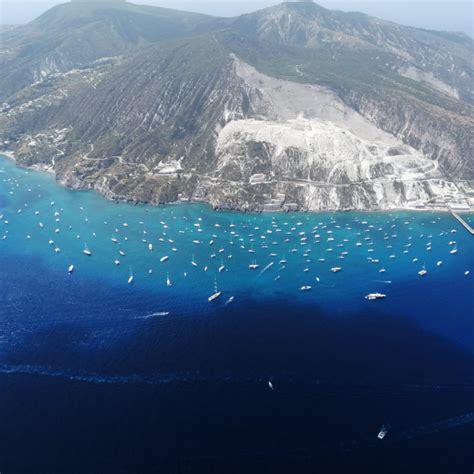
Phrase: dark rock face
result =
(343, 111)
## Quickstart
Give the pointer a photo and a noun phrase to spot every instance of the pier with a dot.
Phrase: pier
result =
(462, 222)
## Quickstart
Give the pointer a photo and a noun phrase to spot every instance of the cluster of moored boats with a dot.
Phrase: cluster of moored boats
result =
(268, 240)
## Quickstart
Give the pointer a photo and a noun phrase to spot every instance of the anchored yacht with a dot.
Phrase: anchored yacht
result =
(216, 294)
(423, 271)
(375, 296)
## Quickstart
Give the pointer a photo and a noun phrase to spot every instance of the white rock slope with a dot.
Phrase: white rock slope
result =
(309, 144)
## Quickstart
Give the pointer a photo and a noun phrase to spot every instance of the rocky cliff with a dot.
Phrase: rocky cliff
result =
(293, 107)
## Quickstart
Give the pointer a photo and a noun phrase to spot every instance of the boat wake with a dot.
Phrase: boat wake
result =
(265, 269)
(154, 315)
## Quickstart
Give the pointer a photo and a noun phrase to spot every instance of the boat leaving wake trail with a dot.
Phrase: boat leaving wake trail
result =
(153, 315)
(265, 269)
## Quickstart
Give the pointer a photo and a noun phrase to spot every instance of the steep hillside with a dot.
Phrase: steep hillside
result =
(438, 59)
(75, 34)
(292, 107)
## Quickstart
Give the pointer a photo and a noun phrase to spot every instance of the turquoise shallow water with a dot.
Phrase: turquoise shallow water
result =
(35, 211)
(162, 377)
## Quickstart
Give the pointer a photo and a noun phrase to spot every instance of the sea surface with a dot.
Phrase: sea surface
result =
(101, 375)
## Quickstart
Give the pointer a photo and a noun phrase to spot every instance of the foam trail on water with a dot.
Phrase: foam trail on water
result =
(265, 269)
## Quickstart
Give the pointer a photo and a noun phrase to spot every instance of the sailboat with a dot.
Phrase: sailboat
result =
(254, 265)
(216, 293)
(70, 269)
(168, 281)
(423, 271)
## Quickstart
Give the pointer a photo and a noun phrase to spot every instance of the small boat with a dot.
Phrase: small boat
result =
(254, 265)
(336, 269)
(168, 281)
(70, 269)
(382, 433)
(163, 259)
(375, 296)
(305, 288)
(270, 385)
(122, 253)
(221, 267)
(454, 250)
(216, 294)
(193, 263)
(114, 240)
(439, 263)
(86, 251)
(117, 262)
(423, 271)
(130, 278)
(150, 247)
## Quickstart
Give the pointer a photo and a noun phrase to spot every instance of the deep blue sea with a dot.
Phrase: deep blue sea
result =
(98, 375)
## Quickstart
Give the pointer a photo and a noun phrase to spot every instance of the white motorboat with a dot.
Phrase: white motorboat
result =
(375, 296)
(382, 433)
(423, 271)
(217, 294)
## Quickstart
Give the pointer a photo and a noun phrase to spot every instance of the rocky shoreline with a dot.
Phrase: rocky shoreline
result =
(210, 201)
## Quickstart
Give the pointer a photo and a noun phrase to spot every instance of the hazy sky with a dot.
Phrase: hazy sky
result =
(431, 14)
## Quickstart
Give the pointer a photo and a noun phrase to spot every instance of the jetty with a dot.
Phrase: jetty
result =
(462, 222)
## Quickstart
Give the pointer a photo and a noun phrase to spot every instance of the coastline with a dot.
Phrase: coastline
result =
(8, 154)
(11, 156)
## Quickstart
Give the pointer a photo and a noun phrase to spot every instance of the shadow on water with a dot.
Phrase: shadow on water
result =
(189, 393)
